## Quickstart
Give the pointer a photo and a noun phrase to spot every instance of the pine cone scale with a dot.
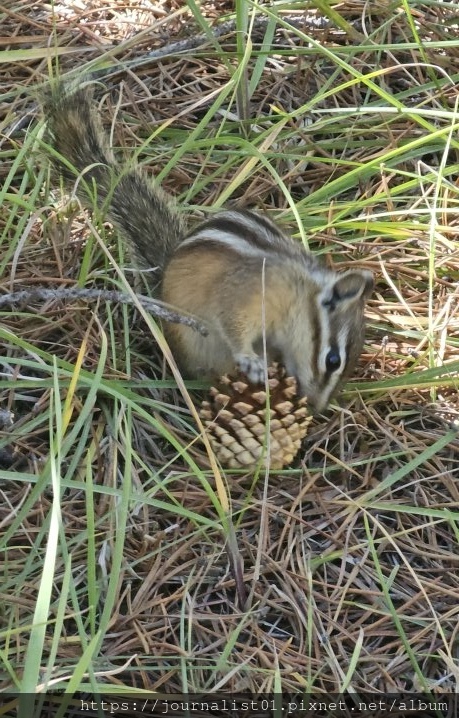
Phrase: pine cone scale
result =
(243, 430)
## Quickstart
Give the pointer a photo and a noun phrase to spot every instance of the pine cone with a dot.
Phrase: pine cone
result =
(235, 419)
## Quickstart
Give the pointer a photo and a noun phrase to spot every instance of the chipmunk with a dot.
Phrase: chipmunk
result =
(250, 284)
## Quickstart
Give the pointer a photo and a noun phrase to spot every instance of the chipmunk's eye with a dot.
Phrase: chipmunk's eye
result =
(332, 360)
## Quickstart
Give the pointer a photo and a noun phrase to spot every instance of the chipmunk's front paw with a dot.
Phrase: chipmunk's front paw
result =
(252, 366)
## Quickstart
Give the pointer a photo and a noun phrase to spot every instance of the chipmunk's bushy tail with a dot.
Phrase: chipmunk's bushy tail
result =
(140, 210)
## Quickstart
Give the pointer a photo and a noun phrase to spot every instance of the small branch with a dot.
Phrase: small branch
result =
(180, 47)
(157, 309)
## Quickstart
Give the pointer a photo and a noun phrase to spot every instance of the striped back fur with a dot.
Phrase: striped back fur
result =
(255, 286)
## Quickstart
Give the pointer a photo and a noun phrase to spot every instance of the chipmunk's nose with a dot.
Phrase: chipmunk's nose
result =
(317, 397)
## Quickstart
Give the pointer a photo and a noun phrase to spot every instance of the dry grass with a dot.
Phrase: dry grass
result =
(349, 560)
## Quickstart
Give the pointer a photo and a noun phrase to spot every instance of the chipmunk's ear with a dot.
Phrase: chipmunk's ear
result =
(353, 285)
(348, 288)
